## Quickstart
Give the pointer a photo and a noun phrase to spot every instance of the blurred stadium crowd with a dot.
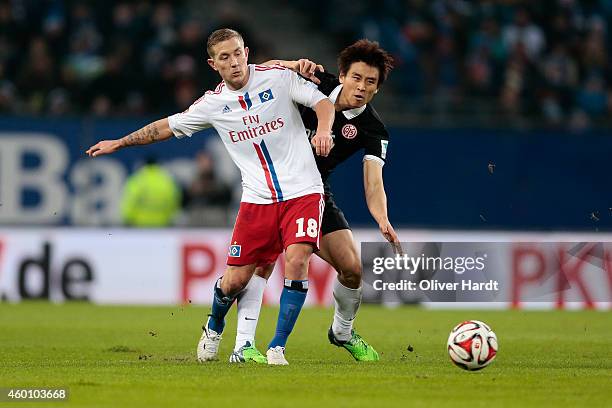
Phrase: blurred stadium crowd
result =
(545, 59)
(102, 57)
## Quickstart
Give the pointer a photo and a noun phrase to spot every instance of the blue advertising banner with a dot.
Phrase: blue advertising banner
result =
(47, 179)
(451, 178)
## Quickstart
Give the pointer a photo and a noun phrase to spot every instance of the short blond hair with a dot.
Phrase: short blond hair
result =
(221, 35)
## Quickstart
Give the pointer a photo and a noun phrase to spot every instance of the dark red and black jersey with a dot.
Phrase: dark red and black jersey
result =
(353, 130)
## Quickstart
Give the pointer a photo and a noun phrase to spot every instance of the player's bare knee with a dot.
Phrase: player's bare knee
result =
(232, 285)
(350, 274)
(296, 264)
(296, 261)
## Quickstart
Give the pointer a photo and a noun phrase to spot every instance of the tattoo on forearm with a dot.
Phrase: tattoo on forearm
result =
(146, 135)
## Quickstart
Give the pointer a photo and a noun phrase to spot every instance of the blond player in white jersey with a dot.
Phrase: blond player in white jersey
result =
(254, 112)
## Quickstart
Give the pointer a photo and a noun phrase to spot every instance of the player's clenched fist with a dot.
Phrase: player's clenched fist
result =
(323, 143)
(103, 147)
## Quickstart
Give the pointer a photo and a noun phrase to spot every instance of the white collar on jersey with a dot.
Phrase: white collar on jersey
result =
(350, 113)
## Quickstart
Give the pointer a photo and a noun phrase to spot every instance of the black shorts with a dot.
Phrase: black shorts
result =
(333, 217)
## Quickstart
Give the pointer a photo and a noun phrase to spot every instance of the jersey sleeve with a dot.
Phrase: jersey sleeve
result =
(376, 145)
(194, 119)
(303, 91)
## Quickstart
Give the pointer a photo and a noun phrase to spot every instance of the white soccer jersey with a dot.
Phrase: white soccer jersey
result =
(263, 132)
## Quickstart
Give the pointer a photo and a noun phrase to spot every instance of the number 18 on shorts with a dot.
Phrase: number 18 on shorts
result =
(264, 231)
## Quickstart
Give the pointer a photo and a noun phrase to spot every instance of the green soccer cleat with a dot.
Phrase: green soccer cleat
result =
(247, 353)
(357, 346)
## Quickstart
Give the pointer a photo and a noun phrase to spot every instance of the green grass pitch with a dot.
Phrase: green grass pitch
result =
(145, 357)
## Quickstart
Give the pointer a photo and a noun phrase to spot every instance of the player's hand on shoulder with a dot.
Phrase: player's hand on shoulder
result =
(323, 143)
(103, 147)
(307, 69)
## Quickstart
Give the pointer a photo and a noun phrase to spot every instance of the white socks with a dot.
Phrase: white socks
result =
(249, 306)
(347, 303)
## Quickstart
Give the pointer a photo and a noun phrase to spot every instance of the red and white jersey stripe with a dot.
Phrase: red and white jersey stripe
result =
(263, 132)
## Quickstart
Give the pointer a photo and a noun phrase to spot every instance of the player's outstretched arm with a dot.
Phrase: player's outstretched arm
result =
(151, 133)
(376, 199)
(303, 66)
(322, 140)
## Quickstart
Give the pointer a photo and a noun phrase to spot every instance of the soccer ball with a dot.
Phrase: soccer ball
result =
(472, 345)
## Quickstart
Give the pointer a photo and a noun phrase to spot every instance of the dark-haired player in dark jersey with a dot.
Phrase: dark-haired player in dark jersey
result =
(363, 67)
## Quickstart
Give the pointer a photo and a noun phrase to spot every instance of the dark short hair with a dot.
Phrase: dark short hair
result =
(368, 52)
(221, 35)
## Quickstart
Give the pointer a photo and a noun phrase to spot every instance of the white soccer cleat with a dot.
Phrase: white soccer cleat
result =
(208, 346)
(276, 356)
